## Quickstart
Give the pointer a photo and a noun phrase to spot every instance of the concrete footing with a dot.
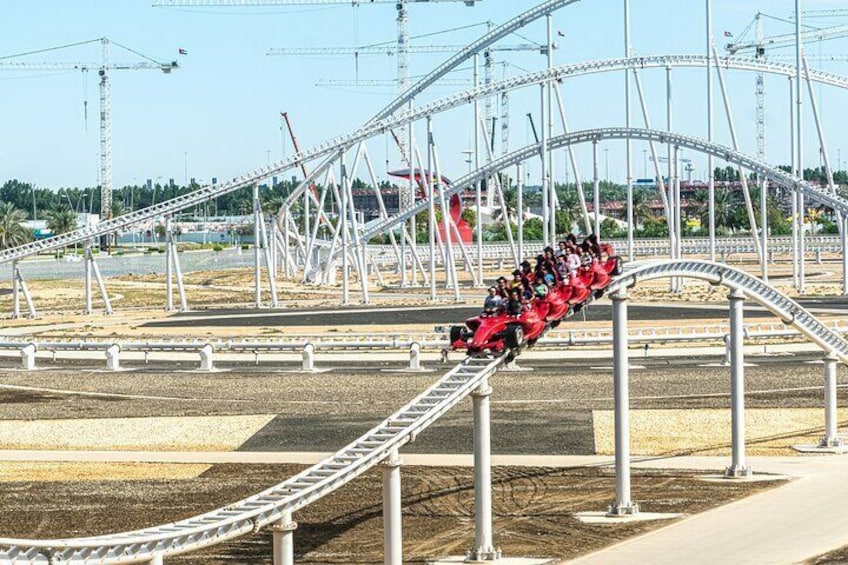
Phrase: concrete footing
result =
(457, 559)
(607, 519)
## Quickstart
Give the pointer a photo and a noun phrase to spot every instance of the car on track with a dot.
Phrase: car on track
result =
(497, 332)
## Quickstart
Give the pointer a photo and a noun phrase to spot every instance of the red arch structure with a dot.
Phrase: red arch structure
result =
(466, 233)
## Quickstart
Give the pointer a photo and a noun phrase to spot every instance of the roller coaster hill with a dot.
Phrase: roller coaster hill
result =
(537, 301)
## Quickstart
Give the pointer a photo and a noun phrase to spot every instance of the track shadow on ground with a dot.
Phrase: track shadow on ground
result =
(514, 432)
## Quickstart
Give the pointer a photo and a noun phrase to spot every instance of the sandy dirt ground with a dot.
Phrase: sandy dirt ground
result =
(533, 510)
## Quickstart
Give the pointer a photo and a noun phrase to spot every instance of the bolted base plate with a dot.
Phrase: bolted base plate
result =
(458, 560)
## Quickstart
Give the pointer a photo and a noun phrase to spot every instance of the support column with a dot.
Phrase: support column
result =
(16, 297)
(257, 218)
(87, 254)
(483, 550)
(843, 238)
(629, 144)
(830, 439)
(169, 263)
(392, 523)
(544, 155)
(799, 146)
(596, 196)
(710, 162)
(282, 535)
(623, 505)
(738, 468)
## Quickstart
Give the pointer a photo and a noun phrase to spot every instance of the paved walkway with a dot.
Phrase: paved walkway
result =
(789, 524)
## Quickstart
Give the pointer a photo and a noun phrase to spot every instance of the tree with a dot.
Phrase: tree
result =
(642, 212)
(61, 220)
(510, 203)
(12, 230)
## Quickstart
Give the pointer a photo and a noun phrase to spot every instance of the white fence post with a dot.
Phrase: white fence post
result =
(206, 357)
(415, 356)
(28, 357)
(308, 357)
(113, 357)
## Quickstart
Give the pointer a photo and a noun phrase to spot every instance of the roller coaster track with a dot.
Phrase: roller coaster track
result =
(258, 511)
(588, 136)
(374, 128)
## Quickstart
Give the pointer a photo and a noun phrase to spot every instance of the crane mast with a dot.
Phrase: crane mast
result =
(103, 68)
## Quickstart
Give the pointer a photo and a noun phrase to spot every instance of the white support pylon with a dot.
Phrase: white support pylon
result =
(623, 505)
(104, 295)
(25, 290)
(738, 467)
(88, 305)
(16, 298)
(831, 437)
(392, 522)
(169, 265)
(282, 536)
(484, 549)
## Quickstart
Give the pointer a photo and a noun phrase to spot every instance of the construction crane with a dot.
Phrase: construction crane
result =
(391, 50)
(104, 67)
(402, 21)
(758, 48)
(838, 13)
(787, 39)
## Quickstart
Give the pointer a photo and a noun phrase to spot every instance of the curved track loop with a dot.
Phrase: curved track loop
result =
(255, 512)
(375, 128)
(760, 292)
(587, 136)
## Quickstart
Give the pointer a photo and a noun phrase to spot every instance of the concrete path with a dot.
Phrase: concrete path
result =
(789, 524)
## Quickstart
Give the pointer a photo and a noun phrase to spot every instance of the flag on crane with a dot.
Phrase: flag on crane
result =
(182, 51)
(728, 34)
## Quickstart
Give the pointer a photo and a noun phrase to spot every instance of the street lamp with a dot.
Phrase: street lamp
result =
(606, 162)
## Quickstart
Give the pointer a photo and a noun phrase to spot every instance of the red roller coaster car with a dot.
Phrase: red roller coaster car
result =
(498, 332)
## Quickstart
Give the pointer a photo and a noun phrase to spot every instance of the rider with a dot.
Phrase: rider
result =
(493, 303)
(502, 288)
(515, 305)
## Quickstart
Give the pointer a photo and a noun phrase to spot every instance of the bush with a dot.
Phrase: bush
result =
(217, 247)
(245, 247)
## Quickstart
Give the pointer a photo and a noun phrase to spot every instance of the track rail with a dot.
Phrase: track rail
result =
(378, 127)
(588, 136)
(760, 292)
(263, 509)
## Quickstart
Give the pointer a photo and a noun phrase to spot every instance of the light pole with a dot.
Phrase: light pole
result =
(185, 167)
(606, 163)
(645, 166)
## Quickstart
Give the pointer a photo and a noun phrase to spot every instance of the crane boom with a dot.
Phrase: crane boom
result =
(391, 50)
(263, 3)
(788, 39)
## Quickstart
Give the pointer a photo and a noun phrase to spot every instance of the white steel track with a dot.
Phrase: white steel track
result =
(255, 512)
(774, 174)
(377, 128)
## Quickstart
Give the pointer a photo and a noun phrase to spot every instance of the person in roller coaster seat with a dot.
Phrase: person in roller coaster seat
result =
(594, 246)
(540, 289)
(502, 288)
(526, 270)
(493, 303)
(561, 250)
(515, 305)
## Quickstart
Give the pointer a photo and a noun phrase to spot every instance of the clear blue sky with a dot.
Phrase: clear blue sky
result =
(220, 111)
